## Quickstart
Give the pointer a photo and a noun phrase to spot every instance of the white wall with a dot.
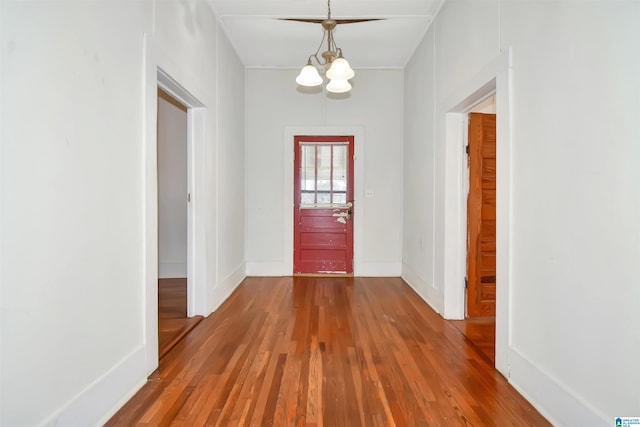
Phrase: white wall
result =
(231, 171)
(184, 30)
(77, 106)
(172, 190)
(374, 105)
(419, 168)
(574, 234)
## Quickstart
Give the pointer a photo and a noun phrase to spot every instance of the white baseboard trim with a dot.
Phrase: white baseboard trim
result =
(433, 297)
(102, 399)
(171, 270)
(378, 269)
(275, 268)
(365, 269)
(228, 285)
(559, 405)
(233, 279)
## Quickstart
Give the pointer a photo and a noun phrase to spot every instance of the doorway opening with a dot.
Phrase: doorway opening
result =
(481, 211)
(480, 188)
(494, 77)
(288, 148)
(195, 235)
(173, 223)
(323, 204)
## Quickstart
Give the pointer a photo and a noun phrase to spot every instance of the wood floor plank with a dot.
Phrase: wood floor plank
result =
(335, 351)
(173, 323)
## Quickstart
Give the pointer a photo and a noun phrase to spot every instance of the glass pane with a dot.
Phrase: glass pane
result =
(339, 198)
(307, 198)
(324, 198)
(323, 174)
(308, 168)
(340, 169)
(324, 169)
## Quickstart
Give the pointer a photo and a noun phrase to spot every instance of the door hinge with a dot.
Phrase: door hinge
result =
(188, 197)
(467, 149)
(466, 283)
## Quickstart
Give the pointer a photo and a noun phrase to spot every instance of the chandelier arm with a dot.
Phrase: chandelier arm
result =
(318, 61)
(338, 79)
(315, 55)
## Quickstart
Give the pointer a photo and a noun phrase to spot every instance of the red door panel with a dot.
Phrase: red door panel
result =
(323, 204)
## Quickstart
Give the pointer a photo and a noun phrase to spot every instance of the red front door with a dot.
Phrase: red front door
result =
(323, 205)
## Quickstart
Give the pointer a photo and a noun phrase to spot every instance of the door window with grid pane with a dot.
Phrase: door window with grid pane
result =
(323, 174)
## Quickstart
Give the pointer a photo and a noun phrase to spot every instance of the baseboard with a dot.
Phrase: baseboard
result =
(270, 269)
(229, 284)
(364, 269)
(378, 269)
(559, 405)
(102, 399)
(233, 279)
(433, 297)
(170, 270)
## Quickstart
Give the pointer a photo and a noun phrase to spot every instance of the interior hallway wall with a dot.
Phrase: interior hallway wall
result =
(574, 233)
(78, 95)
(375, 104)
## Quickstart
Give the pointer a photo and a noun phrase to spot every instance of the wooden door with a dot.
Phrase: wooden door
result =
(481, 216)
(323, 204)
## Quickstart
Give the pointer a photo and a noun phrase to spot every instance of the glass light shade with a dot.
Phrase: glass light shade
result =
(309, 76)
(339, 86)
(340, 69)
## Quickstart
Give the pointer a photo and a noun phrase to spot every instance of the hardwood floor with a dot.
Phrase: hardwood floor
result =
(173, 323)
(309, 351)
(481, 332)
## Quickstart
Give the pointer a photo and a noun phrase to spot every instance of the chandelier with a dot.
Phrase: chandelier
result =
(339, 72)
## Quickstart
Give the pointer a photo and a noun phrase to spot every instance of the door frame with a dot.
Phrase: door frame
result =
(494, 76)
(358, 190)
(323, 140)
(155, 78)
(195, 181)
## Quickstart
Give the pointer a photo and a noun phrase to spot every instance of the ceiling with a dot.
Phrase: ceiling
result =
(263, 40)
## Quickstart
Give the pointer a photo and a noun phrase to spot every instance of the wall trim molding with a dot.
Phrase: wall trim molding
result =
(559, 405)
(494, 76)
(105, 396)
(368, 269)
(379, 269)
(432, 296)
(267, 268)
(229, 284)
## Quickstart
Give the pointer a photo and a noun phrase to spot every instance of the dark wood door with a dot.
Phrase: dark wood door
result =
(481, 216)
(323, 204)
